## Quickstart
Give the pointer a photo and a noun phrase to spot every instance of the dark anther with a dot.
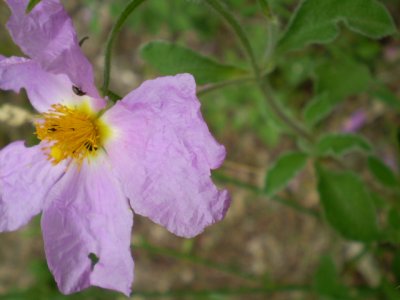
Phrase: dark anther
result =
(78, 91)
(51, 129)
(89, 146)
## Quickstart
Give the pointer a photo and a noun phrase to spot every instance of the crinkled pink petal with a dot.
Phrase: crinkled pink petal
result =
(172, 100)
(26, 176)
(43, 88)
(163, 152)
(88, 214)
(47, 35)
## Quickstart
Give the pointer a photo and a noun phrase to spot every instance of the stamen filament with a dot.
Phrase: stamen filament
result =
(71, 133)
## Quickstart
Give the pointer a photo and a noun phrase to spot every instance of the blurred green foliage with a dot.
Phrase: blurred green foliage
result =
(341, 63)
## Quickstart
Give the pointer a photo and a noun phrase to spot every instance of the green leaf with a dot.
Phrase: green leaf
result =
(335, 81)
(285, 168)
(317, 21)
(342, 77)
(326, 280)
(394, 219)
(385, 95)
(347, 204)
(379, 202)
(396, 265)
(392, 232)
(390, 291)
(318, 108)
(265, 7)
(337, 144)
(31, 5)
(382, 172)
(268, 129)
(171, 59)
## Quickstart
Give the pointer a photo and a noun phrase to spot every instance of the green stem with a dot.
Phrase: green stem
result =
(216, 4)
(245, 79)
(114, 97)
(272, 37)
(132, 5)
(263, 84)
(224, 292)
(294, 205)
(289, 203)
(213, 87)
(265, 8)
(276, 108)
(195, 260)
(356, 258)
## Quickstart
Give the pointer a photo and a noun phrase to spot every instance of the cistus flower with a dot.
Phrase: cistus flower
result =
(356, 121)
(149, 154)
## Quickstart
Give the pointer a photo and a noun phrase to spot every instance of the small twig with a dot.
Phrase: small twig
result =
(211, 87)
(270, 99)
(289, 203)
(131, 6)
(356, 258)
(114, 97)
(224, 292)
(195, 260)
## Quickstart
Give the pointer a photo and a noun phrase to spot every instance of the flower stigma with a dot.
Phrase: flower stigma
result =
(72, 132)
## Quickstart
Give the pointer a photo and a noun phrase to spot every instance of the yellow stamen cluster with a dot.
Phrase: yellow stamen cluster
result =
(71, 133)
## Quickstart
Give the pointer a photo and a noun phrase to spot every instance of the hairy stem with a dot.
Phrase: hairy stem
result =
(262, 82)
(229, 18)
(265, 8)
(212, 87)
(289, 203)
(230, 270)
(189, 294)
(131, 6)
(114, 97)
(276, 108)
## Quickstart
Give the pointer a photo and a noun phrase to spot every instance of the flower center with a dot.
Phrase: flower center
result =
(71, 133)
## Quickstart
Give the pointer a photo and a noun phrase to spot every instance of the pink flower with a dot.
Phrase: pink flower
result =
(356, 121)
(151, 153)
